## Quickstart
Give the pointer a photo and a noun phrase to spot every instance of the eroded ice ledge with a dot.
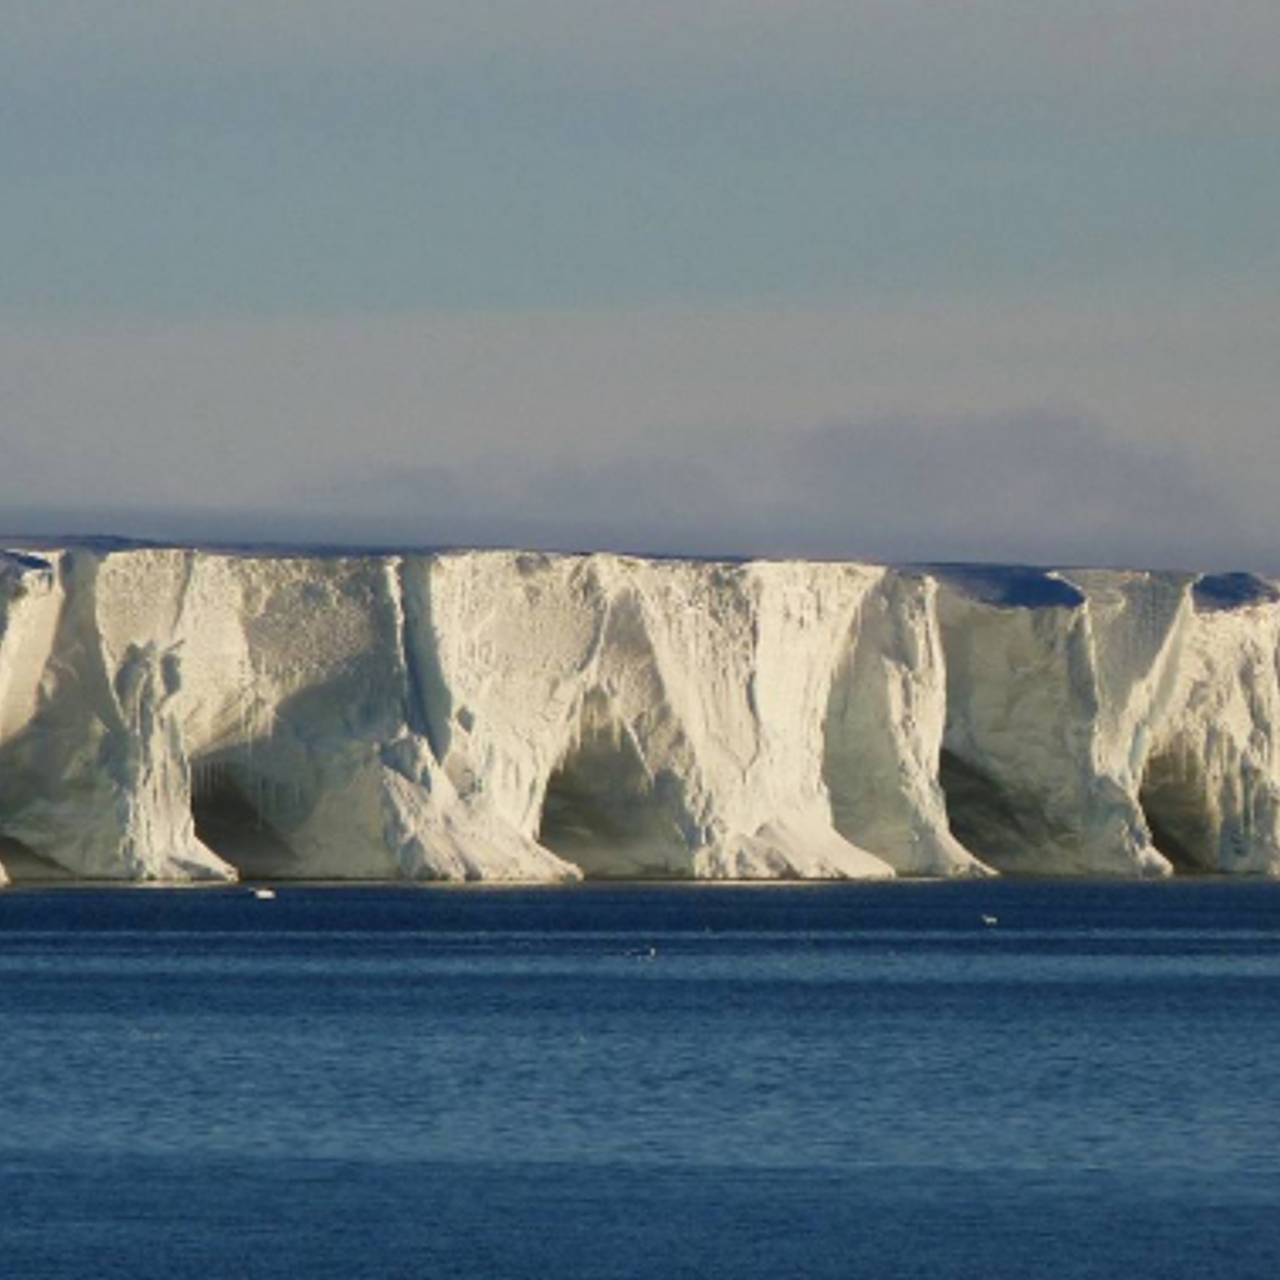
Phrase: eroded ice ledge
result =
(180, 714)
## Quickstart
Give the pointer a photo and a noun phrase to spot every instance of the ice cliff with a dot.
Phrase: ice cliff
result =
(182, 714)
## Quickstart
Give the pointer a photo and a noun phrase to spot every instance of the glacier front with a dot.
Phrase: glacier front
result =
(182, 714)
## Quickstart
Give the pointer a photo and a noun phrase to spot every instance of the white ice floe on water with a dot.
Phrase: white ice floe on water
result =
(182, 714)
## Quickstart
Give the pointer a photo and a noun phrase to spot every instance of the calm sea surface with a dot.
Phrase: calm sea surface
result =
(642, 1081)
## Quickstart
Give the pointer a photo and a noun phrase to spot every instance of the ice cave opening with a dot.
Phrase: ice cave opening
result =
(999, 828)
(605, 813)
(229, 819)
(1175, 804)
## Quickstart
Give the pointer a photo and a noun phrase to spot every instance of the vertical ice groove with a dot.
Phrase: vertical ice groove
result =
(95, 780)
(1036, 675)
(1210, 781)
(428, 701)
(883, 732)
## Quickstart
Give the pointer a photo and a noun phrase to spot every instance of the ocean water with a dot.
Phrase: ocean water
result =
(627, 1081)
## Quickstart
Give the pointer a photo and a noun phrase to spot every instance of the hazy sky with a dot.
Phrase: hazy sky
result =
(898, 279)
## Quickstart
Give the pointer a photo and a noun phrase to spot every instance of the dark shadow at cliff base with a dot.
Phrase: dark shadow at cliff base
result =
(230, 824)
(24, 866)
(1002, 828)
(605, 814)
(1173, 802)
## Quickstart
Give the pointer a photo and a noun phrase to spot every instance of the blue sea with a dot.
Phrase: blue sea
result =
(642, 1081)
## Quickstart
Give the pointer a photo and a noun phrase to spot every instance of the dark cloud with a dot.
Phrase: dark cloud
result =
(1032, 487)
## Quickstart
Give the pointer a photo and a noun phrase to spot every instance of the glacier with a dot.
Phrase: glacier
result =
(182, 714)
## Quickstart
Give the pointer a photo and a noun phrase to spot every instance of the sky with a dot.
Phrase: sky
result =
(846, 278)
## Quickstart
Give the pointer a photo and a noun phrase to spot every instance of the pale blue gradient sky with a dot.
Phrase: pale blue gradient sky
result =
(616, 274)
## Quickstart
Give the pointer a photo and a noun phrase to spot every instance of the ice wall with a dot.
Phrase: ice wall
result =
(1104, 722)
(642, 717)
(1210, 781)
(172, 714)
(1048, 695)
